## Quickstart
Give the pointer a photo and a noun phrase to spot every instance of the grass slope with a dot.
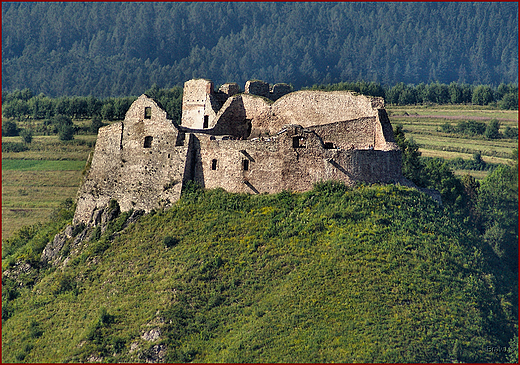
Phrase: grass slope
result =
(366, 274)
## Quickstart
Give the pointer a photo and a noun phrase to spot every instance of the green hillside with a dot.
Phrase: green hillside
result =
(337, 274)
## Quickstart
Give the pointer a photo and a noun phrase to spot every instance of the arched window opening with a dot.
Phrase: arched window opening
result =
(213, 164)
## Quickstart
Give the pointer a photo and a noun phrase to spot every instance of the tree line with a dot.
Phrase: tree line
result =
(20, 104)
(115, 49)
(57, 113)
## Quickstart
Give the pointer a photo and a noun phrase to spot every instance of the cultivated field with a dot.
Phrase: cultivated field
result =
(423, 124)
(36, 181)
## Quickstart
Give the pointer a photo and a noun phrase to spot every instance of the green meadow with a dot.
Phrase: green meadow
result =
(36, 181)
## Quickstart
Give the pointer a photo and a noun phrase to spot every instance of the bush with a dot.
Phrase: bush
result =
(482, 95)
(509, 101)
(447, 128)
(26, 135)
(471, 128)
(511, 132)
(170, 241)
(96, 124)
(13, 147)
(66, 132)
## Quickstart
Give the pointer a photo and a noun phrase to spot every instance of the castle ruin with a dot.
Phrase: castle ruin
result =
(264, 140)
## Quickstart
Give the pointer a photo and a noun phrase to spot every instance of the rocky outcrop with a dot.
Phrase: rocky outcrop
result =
(74, 237)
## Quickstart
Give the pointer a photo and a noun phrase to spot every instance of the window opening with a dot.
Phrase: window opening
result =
(213, 164)
(245, 165)
(328, 145)
(147, 112)
(296, 142)
(148, 141)
(206, 122)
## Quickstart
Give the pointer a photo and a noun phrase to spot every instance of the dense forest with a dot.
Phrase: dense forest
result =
(121, 49)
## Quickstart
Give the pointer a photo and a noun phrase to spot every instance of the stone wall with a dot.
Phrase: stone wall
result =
(229, 89)
(257, 87)
(198, 103)
(279, 90)
(275, 164)
(351, 134)
(311, 108)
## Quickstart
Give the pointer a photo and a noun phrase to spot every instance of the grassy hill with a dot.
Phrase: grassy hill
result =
(337, 274)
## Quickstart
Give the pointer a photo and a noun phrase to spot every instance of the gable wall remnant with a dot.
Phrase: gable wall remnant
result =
(136, 174)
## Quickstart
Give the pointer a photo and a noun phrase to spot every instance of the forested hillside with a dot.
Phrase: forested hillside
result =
(115, 49)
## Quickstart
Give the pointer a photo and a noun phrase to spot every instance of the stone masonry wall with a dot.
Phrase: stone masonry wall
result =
(198, 101)
(311, 108)
(274, 164)
(357, 133)
(257, 87)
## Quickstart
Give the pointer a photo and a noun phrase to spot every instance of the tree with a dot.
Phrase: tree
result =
(439, 176)
(482, 95)
(497, 204)
(107, 111)
(96, 124)
(64, 126)
(509, 101)
(492, 130)
(9, 128)
(455, 92)
(412, 165)
(66, 132)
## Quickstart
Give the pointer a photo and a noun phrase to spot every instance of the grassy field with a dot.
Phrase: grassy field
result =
(374, 274)
(36, 181)
(423, 124)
